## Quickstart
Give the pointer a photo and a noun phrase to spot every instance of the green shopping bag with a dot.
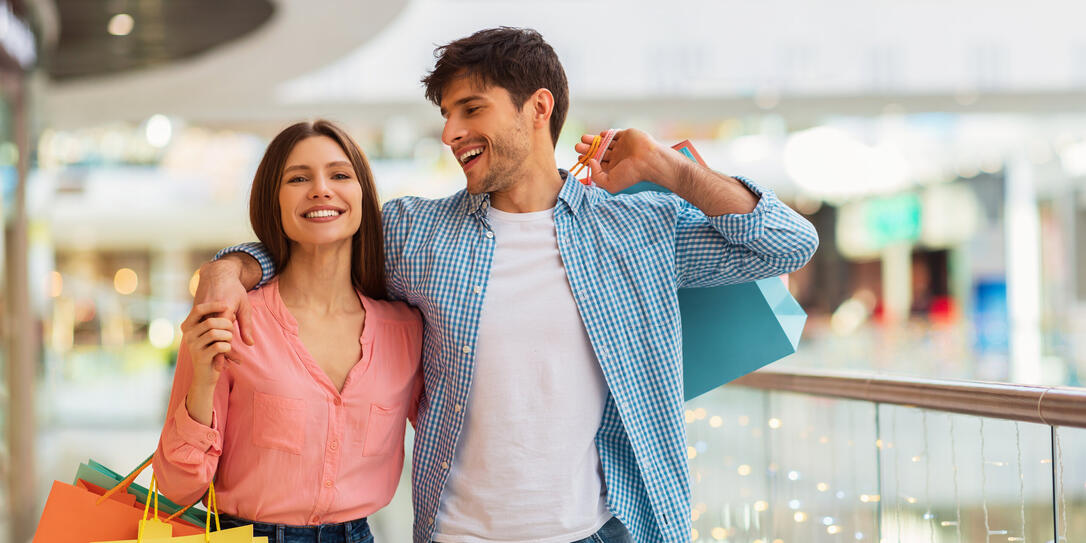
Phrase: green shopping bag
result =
(732, 330)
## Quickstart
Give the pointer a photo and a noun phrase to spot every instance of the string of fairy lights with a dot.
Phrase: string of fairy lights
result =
(783, 492)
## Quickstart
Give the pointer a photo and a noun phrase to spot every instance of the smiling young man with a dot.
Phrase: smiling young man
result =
(553, 406)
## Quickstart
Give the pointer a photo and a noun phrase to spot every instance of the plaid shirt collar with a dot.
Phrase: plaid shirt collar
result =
(572, 196)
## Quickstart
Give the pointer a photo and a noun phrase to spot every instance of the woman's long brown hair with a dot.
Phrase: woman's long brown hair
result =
(367, 244)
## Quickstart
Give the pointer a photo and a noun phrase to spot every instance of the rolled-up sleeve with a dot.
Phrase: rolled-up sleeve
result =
(188, 451)
(259, 253)
(771, 240)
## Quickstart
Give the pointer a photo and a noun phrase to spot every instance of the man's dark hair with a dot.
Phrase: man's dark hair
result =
(515, 59)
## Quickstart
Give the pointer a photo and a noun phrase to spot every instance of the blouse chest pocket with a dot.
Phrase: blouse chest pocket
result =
(279, 422)
(381, 431)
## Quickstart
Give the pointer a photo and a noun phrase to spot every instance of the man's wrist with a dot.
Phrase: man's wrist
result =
(675, 173)
(240, 266)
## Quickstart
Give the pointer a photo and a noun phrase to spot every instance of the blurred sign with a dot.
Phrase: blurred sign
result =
(893, 219)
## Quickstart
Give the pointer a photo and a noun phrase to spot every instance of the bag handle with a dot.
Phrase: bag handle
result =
(599, 146)
(127, 481)
(131, 477)
(212, 505)
(152, 489)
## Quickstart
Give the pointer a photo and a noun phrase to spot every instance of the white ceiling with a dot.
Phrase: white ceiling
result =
(363, 60)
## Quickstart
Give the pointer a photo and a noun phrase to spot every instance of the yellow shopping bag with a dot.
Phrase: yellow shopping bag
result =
(156, 531)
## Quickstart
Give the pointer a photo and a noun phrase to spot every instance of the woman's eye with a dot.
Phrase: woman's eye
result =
(297, 179)
(341, 176)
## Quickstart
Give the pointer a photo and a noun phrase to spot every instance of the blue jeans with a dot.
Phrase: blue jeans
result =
(612, 532)
(354, 531)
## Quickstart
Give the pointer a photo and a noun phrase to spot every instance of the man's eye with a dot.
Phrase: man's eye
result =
(472, 110)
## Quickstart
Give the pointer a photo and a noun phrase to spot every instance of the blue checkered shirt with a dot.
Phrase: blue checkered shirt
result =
(624, 256)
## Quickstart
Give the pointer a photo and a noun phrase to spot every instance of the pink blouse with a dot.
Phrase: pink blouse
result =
(284, 446)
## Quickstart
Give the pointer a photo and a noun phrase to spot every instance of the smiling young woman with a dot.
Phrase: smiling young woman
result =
(303, 430)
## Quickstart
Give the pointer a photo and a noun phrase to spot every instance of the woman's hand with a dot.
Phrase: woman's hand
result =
(206, 334)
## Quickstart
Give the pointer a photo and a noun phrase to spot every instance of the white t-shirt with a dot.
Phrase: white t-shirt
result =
(526, 467)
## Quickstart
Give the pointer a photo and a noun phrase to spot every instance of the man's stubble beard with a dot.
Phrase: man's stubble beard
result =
(507, 156)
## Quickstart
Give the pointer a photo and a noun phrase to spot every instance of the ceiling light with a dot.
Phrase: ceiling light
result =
(121, 24)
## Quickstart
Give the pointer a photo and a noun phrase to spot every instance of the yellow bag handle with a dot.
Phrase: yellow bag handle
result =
(212, 503)
(153, 490)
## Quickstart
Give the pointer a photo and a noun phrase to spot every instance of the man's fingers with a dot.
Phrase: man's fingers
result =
(598, 175)
(208, 308)
(245, 322)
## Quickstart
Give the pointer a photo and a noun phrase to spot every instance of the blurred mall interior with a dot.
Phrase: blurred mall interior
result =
(938, 147)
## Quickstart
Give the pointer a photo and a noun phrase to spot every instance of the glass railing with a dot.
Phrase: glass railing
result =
(805, 457)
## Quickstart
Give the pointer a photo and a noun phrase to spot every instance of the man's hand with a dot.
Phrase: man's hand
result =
(633, 156)
(221, 283)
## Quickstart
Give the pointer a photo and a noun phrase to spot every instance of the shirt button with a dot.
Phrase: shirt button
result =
(457, 408)
(333, 445)
(466, 349)
(328, 484)
(478, 289)
(489, 234)
(444, 465)
(428, 520)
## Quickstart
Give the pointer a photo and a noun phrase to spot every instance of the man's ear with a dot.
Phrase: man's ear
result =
(542, 103)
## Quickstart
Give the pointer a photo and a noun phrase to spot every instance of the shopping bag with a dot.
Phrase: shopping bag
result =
(732, 330)
(86, 512)
(98, 474)
(153, 534)
(74, 515)
(125, 498)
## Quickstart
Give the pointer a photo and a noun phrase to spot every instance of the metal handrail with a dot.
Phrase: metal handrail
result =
(1053, 406)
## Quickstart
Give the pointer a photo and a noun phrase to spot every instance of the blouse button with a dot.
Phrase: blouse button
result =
(211, 436)
(337, 401)
(328, 484)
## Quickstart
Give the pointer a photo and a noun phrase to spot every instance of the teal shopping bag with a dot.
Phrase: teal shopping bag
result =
(732, 330)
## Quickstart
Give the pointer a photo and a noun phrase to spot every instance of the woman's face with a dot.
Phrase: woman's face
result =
(320, 197)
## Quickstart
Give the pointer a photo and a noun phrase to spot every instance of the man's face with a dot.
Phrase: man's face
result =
(489, 136)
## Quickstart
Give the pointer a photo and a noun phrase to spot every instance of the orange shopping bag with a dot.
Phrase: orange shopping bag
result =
(81, 515)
